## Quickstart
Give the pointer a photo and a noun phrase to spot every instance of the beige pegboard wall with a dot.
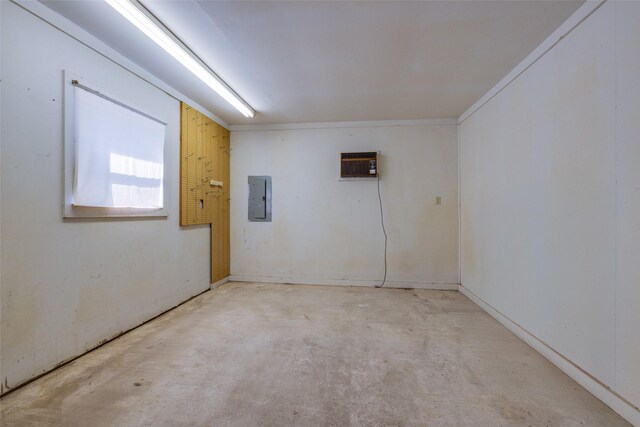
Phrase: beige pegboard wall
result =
(204, 182)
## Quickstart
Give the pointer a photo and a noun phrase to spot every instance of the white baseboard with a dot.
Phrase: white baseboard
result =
(345, 282)
(609, 397)
(220, 282)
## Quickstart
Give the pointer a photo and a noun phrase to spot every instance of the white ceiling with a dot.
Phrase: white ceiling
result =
(308, 61)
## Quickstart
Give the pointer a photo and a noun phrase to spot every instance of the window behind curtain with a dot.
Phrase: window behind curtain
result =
(119, 160)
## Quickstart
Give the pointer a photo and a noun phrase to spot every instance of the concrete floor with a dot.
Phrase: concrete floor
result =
(274, 355)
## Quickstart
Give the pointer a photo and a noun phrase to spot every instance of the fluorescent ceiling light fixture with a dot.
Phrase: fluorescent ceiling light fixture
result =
(145, 24)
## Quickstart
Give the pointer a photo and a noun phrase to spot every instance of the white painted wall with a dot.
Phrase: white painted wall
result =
(328, 231)
(550, 199)
(66, 286)
(627, 249)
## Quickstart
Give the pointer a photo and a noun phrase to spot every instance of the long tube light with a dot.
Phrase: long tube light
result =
(145, 24)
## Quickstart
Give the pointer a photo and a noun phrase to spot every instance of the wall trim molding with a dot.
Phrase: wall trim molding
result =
(594, 386)
(344, 282)
(342, 125)
(220, 282)
(82, 36)
(578, 17)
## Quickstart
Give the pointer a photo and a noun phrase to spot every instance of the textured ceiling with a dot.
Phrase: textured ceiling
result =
(297, 62)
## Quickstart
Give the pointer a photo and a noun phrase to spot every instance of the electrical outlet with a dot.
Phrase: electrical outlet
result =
(438, 200)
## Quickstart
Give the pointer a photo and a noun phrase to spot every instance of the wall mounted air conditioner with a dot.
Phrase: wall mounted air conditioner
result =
(359, 165)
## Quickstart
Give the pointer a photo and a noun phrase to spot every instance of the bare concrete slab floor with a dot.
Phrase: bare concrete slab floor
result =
(280, 355)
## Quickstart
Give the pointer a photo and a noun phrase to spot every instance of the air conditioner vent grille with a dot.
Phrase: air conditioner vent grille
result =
(359, 165)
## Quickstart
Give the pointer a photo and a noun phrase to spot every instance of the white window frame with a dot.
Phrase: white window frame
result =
(72, 211)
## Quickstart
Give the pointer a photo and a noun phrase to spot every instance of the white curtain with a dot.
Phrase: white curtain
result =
(119, 155)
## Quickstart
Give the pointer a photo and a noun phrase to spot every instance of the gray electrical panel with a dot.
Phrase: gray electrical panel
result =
(260, 198)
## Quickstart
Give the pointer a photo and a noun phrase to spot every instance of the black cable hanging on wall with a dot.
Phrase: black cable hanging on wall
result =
(384, 231)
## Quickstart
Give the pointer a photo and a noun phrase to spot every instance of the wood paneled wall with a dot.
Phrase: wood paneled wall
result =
(204, 157)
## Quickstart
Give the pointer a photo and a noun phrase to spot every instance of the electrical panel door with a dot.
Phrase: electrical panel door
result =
(260, 198)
